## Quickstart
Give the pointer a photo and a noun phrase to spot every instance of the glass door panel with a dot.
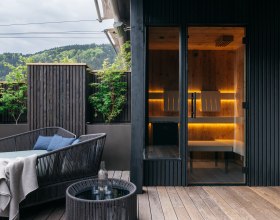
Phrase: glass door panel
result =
(216, 91)
(163, 93)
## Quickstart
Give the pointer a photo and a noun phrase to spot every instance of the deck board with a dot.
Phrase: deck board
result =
(188, 204)
(268, 194)
(177, 204)
(200, 204)
(195, 203)
(155, 205)
(168, 210)
(213, 206)
(227, 209)
(143, 204)
(232, 201)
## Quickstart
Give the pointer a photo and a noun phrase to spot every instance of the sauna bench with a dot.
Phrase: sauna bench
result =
(225, 146)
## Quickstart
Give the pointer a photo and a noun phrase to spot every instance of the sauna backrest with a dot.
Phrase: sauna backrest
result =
(210, 101)
(171, 101)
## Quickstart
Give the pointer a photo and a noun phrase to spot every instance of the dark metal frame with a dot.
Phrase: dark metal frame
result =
(183, 80)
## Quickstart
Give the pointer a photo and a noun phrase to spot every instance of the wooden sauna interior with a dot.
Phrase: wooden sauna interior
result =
(215, 62)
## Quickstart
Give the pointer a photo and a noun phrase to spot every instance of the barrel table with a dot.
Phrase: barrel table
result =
(83, 204)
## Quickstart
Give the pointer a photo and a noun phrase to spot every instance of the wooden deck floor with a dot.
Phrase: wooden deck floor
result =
(219, 202)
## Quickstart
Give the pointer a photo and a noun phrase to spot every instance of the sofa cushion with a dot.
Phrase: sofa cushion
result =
(76, 141)
(59, 142)
(42, 142)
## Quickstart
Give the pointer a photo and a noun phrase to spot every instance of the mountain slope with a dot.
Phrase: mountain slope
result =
(92, 54)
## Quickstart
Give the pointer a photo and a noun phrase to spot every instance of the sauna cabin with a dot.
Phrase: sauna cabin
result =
(215, 96)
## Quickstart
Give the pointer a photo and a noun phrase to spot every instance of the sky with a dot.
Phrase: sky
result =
(39, 11)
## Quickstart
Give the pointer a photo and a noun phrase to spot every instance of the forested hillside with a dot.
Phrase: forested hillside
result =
(92, 54)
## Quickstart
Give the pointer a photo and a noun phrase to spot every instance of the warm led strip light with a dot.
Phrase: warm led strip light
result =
(156, 100)
(212, 125)
(197, 124)
(192, 91)
(156, 91)
(189, 100)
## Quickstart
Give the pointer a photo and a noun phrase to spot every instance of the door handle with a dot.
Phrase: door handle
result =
(193, 105)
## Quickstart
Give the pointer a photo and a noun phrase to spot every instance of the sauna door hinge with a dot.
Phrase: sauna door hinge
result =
(245, 105)
(244, 170)
(244, 40)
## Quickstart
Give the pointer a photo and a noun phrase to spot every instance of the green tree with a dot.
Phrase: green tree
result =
(13, 97)
(110, 95)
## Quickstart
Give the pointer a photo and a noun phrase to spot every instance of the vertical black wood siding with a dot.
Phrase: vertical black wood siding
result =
(264, 69)
(262, 23)
(57, 96)
(161, 172)
(166, 12)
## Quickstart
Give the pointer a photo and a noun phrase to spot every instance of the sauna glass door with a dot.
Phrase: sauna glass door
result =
(162, 78)
(216, 92)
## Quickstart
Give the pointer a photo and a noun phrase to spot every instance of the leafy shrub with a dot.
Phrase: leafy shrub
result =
(13, 97)
(110, 95)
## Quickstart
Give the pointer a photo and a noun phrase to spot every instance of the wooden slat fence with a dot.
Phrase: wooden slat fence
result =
(51, 85)
(56, 96)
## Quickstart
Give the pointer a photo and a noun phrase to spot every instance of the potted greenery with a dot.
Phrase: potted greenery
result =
(13, 97)
(110, 96)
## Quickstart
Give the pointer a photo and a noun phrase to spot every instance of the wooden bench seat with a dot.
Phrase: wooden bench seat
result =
(225, 146)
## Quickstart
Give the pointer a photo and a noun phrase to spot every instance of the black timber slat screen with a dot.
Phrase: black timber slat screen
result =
(263, 68)
(163, 172)
(166, 12)
(56, 96)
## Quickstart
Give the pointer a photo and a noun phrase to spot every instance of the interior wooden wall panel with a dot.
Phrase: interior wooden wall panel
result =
(164, 70)
(211, 70)
(200, 38)
(208, 70)
(204, 132)
(163, 75)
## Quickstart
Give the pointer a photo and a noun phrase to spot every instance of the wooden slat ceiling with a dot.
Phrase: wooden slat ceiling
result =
(200, 38)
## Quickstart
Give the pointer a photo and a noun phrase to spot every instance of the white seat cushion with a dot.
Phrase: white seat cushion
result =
(24, 153)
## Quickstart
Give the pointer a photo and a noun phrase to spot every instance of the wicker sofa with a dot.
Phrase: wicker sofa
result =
(57, 169)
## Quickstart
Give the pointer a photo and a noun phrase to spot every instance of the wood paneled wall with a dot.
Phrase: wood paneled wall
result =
(207, 70)
(163, 75)
(211, 71)
(57, 96)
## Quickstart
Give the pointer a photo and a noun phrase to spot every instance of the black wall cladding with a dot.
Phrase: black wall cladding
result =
(262, 24)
